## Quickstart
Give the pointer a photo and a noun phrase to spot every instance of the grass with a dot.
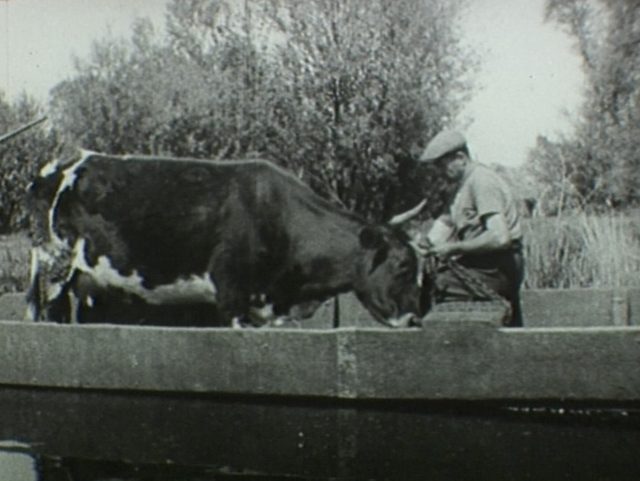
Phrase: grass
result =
(582, 251)
(14, 263)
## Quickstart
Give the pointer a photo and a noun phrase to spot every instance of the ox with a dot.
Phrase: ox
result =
(154, 234)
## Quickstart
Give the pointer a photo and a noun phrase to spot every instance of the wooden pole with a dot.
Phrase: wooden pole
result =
(19, 130)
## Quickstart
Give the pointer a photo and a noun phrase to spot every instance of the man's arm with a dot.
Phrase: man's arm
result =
(441, 230)
(495, 237)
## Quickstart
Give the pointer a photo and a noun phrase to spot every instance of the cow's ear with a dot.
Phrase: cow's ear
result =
(371, 238)
(381, 255)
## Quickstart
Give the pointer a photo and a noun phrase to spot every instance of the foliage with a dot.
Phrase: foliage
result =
(14, 263)
(342, 93)
(20, 158)
(554, 169)
(365, 85)
(599, 165)
(129, 98)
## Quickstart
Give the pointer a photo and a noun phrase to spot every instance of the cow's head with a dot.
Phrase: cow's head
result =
(388, 278)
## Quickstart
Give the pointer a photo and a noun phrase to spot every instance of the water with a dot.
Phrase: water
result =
(58, 435)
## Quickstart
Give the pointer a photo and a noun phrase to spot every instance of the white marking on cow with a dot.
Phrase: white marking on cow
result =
(31, 313)
(69, 176)
(46, 255)
(49, 168)
(34, 267)
(236, 324)
(422, 261)
(53, 290)
(195, 288)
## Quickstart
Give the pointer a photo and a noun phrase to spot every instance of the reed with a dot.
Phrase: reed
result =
(14, 263)
(582, 251)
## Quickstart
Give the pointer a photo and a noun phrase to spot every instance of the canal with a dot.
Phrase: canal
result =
(72, 435)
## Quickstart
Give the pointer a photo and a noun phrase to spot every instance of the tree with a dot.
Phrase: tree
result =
(365, 85)
(116, 103)
(20, 159)
(150, 97)
(342, 93)
(603, 155)
(555, 172)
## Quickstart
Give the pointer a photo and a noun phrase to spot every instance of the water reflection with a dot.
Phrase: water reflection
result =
(102, 436)
(16, 465)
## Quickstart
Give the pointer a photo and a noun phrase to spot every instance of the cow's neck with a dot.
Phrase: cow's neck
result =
(331, 256)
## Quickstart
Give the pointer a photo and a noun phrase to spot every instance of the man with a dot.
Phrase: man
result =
(480, 230)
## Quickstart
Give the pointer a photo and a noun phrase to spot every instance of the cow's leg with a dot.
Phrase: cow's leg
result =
(100, 304)
(87, 295)
(59, 309)
(259, 315)
(49, 289)
(34, 295)
(44, 293)
(233, 303)
(74, 301)
(46, 300)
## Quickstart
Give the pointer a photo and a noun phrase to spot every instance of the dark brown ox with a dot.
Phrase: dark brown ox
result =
(155, 234)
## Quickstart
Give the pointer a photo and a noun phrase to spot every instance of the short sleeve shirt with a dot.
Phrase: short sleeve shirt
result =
(482, 193)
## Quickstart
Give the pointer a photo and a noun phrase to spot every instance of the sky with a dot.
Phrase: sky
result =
(38, 38)
(530, 84)
(529, 78)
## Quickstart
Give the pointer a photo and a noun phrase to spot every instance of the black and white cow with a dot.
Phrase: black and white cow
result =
(151, 235)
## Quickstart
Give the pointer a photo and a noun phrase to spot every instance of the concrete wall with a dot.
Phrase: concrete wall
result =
(12, 306)
(580, 307)
(462, 360)
(260, 361)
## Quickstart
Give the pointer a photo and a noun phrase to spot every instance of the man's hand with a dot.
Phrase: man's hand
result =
(426, 248)
(423, 246)
(445, 249)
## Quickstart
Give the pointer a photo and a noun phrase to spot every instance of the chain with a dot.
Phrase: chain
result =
(476, 287)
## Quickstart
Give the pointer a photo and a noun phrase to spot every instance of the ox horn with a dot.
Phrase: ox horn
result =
(408, 215)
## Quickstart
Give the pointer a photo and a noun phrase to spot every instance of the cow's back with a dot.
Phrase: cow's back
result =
(162, 215)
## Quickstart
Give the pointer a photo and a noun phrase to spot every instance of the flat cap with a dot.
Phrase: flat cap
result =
(445, 142)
